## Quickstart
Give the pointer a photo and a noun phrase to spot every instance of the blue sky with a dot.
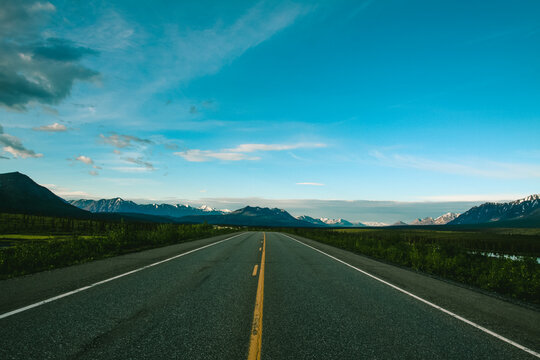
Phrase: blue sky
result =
(410, 101)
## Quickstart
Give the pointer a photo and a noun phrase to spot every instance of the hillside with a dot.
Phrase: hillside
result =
(20, 194)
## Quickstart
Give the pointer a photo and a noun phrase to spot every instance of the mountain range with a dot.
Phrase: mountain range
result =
(526, 208)
(251, 216)
(441, 220)
(118, 205)
(329, 222)
(20, 194)
(193, 214)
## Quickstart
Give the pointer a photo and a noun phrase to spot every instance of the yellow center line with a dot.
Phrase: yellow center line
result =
(255, 270)
(255, 341)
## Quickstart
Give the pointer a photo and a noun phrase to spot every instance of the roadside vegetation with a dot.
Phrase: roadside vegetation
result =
(455, 255)
(31, 243)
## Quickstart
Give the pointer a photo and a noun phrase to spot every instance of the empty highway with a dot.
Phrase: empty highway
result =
(254, 295)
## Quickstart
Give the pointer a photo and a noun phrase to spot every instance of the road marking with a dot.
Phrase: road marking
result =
(43, 302)
(500, 337)
(255, 270)
(255, 341)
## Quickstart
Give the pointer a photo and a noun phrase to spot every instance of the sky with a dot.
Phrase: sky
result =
(433, 105)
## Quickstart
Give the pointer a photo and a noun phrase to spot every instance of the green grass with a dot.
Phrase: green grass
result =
(49, 243)
(450, 254)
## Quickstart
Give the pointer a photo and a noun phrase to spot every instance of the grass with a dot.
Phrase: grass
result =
(50, 243)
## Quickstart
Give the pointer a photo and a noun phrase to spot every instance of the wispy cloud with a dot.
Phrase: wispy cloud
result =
(141, 162)
(240, 152)
(123, 141)
(310, 184)
(483, 168)
(55, 127)
(248, 148)
(194, 53)
(208, 155)
(110, 33)
(130, 169)
(14, 146)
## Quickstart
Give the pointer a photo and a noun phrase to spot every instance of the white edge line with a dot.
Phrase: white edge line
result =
(39, 303)
(500, 337)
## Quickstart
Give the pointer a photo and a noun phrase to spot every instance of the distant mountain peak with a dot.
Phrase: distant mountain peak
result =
(324, 221)
(490, 212)
(441, 220)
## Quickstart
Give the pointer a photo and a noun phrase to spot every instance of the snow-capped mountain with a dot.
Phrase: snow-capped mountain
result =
(375, 223)
(328, 222)
(425, 221)
(311, 220)
(445, 218)
(251, 216)
(490, 212)
(441, 220)
(118, 205)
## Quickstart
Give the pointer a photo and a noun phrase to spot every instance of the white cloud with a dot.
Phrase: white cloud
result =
(15, 147)
(56, 127)
(85, 159)
(22, 153)
(310, 183)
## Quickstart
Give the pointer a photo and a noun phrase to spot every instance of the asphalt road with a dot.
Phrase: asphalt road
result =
(201, 306)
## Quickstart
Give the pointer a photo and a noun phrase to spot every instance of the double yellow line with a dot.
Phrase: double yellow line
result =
(256, 327)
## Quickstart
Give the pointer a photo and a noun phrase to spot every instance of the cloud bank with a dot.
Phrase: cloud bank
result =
(33, 68)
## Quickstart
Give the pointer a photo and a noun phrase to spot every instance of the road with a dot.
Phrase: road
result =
(202, 305)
